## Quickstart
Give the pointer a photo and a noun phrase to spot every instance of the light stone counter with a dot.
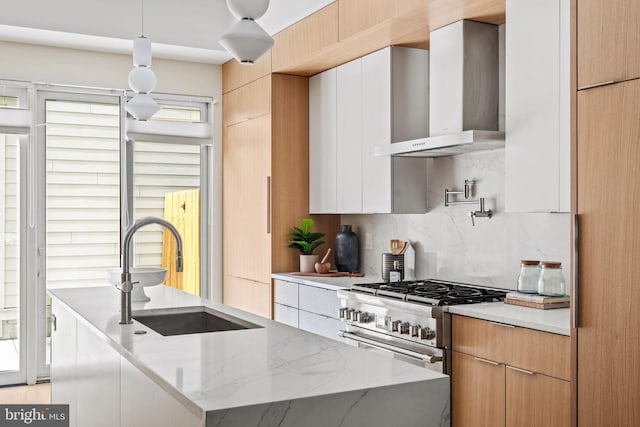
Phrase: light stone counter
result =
(270, 376)
(331, 283)
(556, 320)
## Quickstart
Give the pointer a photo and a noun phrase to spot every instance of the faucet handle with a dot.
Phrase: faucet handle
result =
(472, 214)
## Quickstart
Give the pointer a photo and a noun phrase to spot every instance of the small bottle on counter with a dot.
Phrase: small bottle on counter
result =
(395, 275)
(528, 277)
(551, 281)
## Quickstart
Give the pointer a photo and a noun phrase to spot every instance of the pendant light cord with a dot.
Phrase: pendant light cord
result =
(142, 16)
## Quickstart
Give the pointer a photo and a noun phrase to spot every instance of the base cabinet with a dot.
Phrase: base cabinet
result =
(309, 308)
(102, 388)
(521, 381)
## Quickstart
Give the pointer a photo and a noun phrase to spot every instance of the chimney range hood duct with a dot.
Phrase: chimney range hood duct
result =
(464, 78)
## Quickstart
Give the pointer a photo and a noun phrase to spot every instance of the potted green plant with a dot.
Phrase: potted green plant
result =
(304, 240)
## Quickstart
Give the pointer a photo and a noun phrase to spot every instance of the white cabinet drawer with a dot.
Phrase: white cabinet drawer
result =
(286, 293)
(319, 301)
(321, 325)
(286, 315)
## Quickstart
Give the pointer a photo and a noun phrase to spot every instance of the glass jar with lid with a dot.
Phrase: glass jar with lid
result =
(551, 282)
(528, 277)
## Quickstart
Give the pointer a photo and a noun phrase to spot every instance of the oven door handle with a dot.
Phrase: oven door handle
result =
(426, 358)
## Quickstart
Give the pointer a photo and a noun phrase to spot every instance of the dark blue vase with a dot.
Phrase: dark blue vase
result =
(347, 250)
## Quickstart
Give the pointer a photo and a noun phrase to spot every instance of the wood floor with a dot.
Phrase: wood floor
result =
(36, 394)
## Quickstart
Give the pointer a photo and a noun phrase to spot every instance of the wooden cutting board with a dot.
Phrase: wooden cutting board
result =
(334, 274)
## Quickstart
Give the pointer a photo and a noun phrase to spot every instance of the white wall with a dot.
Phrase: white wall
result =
(106, 70)
(448, 247)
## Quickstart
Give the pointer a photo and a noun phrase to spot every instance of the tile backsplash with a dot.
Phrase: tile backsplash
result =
(446, 244)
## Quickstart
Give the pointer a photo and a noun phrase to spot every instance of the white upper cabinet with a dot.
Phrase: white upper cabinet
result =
(379, 99)
(537, 152)
(349, 130)
(322, 143)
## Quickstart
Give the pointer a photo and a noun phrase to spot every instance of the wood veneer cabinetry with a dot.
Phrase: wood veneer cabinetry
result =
(608, 155)
(527, 372)
(608, 37)
(265, 183)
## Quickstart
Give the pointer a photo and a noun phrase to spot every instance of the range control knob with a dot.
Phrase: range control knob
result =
(343, 313)
(404, 328)
(427, 334)
(357, 316)
(350, 314)
(415, 330)
(395, 325)
(365, 317)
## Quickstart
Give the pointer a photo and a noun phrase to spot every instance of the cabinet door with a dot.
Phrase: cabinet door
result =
(64, 353)
(246, 205)
(608, 155)
(535, 400)
(318, 300)
(477, 392)
(322, 142)
(247, 102)
(247, 295)
(376, 130)
(537, 106)
(349, 130)
(321, 325)
(608, 41)
(285, 314)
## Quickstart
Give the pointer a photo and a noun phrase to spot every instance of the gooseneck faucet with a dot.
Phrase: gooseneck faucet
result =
(125, 278)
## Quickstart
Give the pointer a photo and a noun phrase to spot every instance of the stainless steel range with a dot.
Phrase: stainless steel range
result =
(408, 320)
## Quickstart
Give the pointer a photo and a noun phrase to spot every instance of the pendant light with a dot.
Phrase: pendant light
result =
(142, 79)
(246, 40)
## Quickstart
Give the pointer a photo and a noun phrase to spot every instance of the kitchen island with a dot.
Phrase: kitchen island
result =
(271, 375)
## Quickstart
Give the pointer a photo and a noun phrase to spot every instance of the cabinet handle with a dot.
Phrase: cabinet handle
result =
(54, 322)
(502, 324)
(490, 362)
(268, 205)
(521, 370)
(610, 82)
(576, 270)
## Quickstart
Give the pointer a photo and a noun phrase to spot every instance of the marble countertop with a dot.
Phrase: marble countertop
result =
(332, 283)
(236, 368)
(556, 321)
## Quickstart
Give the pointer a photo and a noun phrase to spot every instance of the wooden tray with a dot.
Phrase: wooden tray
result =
(333, 274)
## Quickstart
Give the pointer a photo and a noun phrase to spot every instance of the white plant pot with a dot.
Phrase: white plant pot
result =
(308, 263)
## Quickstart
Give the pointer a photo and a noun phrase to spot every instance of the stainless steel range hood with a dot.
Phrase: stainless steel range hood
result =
(464, 79)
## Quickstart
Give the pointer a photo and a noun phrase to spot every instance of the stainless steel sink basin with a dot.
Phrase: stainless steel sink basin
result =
(190, 320)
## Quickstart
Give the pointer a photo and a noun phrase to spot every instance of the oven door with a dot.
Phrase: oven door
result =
(423, 356)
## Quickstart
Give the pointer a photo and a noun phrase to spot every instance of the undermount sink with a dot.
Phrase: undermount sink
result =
(190, 320)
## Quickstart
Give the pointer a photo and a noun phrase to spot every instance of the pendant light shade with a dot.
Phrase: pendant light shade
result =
(142, 106)
(142, 52)
(253, 9)
(142, 79)
(247, 41)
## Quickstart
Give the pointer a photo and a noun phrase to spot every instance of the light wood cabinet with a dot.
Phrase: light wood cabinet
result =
(246, 153)
(537, 106)
(607, 159)
(378, 99)
(478, 391)
(248, 295)
(608, 41)
(265, 184)
(535, 400)
(508, 376)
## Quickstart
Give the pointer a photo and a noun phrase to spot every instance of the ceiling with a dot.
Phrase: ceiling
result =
(185, 30)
